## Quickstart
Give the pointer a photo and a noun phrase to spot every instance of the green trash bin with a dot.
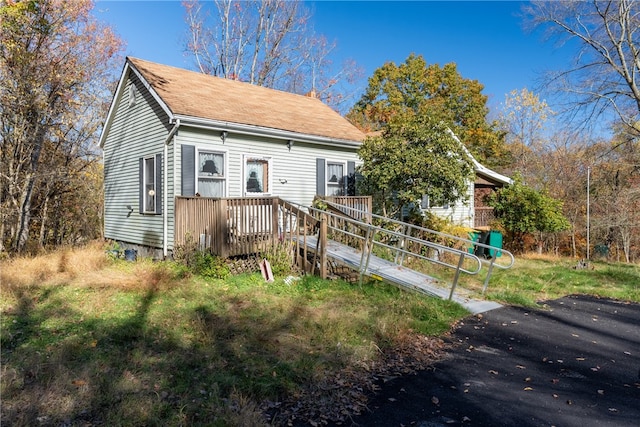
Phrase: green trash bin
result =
(474, 236)
(494, 239)
(480, 237)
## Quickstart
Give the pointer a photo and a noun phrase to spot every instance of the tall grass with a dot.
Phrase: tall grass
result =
(90, 340)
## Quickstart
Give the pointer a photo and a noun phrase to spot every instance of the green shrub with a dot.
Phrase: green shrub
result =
(208, 265)
(279, 256)
(200, 262)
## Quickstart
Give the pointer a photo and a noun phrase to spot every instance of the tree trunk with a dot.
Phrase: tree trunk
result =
(44, 217)
(25, 216)
(25, 205)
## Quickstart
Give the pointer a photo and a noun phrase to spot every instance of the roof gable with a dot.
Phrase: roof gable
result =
(189, 94)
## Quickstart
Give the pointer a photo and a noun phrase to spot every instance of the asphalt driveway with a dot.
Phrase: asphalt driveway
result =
(574, 363)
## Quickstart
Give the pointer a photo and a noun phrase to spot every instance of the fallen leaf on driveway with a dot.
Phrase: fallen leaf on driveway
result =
(493, 372)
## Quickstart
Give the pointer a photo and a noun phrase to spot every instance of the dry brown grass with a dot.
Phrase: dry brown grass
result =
(86, 266)
(54, 268)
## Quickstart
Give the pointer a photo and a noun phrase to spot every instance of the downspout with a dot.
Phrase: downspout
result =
(165, 190)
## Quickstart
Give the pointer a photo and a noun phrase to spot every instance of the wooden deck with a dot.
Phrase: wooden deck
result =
(400, 276)
(344, 233)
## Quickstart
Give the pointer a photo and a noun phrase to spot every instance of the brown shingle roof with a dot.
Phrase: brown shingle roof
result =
(194, 94)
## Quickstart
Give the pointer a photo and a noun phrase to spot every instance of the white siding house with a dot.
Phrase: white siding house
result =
(472, 212)
(172, 132)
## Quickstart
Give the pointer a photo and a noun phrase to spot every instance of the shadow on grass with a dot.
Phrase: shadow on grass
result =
(62, 367)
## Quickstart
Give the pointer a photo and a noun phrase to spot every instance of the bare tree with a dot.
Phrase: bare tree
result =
(55, 73)
(603, 77)
(268, 43)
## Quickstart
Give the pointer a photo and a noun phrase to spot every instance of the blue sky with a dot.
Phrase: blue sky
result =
(485, 39)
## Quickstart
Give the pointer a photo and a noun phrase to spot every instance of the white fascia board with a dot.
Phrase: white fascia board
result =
(478, 167)
(116, 99)
(253, 130)
(493, 174)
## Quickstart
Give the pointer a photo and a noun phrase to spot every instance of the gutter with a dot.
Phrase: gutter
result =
(265, 131)
(165, 189)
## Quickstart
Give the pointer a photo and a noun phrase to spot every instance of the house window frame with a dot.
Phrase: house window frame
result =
(149, 205)
(267, 178)
(329, 184)
(223, 177)
(425, 204)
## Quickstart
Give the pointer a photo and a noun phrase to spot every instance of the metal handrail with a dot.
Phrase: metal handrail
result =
(369, 242)
(491, 263)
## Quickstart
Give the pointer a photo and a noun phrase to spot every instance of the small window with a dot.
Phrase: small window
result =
(149, 180)
(211, 174)
(257, 174)
(336, 179)
(427, 204)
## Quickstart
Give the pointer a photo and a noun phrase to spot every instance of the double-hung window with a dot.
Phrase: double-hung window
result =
(336, 179)
(150, 184)
(211, 174)
(257, 175)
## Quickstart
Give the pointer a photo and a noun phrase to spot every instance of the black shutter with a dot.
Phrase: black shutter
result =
(188, 170)
(141, 185)
(351, 179)
(158, 183)
(320, 177)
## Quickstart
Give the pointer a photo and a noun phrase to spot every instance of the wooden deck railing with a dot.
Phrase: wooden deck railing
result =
(244, 226)
(239, 226)
(484, 216)
(357, 207)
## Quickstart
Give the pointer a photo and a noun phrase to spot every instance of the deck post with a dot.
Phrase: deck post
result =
(275, 223)
(322, 238)
(221, 232)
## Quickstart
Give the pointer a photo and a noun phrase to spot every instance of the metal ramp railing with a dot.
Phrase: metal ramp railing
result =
(502, 258)
(344, 231)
